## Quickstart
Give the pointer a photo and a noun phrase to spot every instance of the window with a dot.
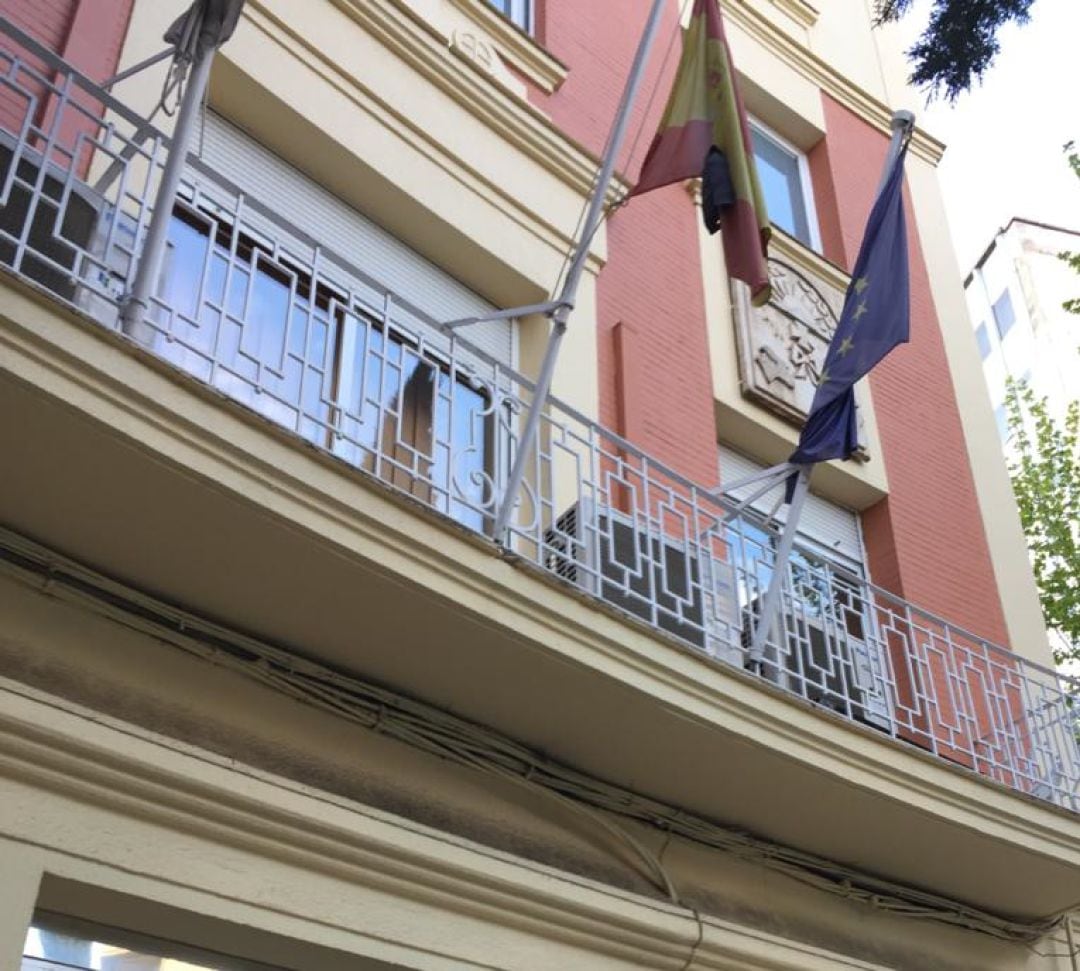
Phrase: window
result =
(785, 183)
(827, 651)
(56, 943)
(1001, 416)
(982, 338)
(252, 325)
(1004, 315)
(519, 11)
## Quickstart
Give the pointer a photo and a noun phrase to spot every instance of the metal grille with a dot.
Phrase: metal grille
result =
(252, 305)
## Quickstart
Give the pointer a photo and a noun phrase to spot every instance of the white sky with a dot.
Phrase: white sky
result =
(1004, 138)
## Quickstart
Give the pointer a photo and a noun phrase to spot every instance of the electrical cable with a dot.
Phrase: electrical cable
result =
(457, 740)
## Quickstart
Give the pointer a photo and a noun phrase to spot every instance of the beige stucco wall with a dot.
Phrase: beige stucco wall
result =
(373, 102)
(183, 785)
(127, 767)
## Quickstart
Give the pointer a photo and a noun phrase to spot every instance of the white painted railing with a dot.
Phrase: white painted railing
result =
(256, 308)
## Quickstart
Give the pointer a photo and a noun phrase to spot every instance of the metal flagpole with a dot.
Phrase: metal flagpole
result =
(769, 605)
(138, 301)
(902, 124)
(565, 301)
(192, 44)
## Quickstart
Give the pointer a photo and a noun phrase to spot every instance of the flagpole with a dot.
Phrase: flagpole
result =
(564, 303)
(134, 308)
(902, 124)
(137, 302)
(771, 603)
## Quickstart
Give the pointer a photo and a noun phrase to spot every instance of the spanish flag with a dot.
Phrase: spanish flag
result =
(704, 133)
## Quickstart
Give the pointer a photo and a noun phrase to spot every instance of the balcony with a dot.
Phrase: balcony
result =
(337, 366)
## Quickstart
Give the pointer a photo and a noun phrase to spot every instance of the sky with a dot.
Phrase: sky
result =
(1004, 138)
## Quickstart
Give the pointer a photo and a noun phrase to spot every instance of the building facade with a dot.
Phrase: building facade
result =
(1015, 298)
(272, 695)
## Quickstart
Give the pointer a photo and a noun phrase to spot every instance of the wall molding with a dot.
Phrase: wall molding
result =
(70, 753)
(517, 48)
(871, 109)
(801, 11)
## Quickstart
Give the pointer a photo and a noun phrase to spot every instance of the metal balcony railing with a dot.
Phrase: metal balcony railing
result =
(256, 308)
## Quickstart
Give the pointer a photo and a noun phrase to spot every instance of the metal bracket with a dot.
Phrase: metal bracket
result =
(141, 66)
(548, 308)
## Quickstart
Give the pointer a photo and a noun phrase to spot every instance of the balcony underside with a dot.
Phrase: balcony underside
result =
(122, 463)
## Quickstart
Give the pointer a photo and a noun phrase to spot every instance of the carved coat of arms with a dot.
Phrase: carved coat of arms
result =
(782, 345)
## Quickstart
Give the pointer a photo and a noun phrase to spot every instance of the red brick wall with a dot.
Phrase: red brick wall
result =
(47, 21)
(652, 283)
(927, 540)
(88, 34)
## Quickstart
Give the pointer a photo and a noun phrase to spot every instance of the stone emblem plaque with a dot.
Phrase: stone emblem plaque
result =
(782, 345)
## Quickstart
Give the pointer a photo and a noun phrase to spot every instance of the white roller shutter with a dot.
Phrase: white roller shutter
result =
(825, 525)
(352, 236)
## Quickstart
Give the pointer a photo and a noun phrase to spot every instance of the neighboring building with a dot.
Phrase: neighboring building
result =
(1015, 296)
(270, 694)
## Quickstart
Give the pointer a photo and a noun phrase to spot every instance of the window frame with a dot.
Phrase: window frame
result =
(521, 13)
(805, 182)
(1005, 295)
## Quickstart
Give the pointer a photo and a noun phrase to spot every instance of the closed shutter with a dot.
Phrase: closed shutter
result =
(830, 528)
(348, 234)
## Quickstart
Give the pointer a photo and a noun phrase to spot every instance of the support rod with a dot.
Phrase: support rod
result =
(568, 294)
(773, 472)
(141, 66)
(770, 605)
(137, 303)
(903, 124)
(547, 307)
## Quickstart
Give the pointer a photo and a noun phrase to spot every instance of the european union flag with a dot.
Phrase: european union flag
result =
(875, 318)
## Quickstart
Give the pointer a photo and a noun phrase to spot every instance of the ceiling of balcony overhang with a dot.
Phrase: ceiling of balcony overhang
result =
(72, 483)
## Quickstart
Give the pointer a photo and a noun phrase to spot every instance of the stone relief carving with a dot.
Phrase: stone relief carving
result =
(782, 345)
(484, 54)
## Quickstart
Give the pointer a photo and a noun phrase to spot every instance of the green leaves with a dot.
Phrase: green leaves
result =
(1072, 259)
(960, 42)
(1045, 473)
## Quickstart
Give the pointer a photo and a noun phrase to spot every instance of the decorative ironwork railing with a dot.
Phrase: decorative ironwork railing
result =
(256, 308)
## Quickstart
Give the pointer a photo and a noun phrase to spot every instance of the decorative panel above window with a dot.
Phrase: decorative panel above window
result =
(782, 345)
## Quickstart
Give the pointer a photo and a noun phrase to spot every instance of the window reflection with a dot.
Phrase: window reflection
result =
(782, 186)
(51, 949)
(250, 325)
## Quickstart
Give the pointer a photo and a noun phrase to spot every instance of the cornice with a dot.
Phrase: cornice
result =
(75, 753)
(805, 259)
(522, 52)
(802, 12)
(821, 73)
(520, 123)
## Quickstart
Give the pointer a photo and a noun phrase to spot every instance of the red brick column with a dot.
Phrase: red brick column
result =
(652, 283)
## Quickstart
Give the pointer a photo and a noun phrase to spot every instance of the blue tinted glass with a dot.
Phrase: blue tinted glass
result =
(983, 340)
(1004, 314)
(1001, 416)
(778, 172)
